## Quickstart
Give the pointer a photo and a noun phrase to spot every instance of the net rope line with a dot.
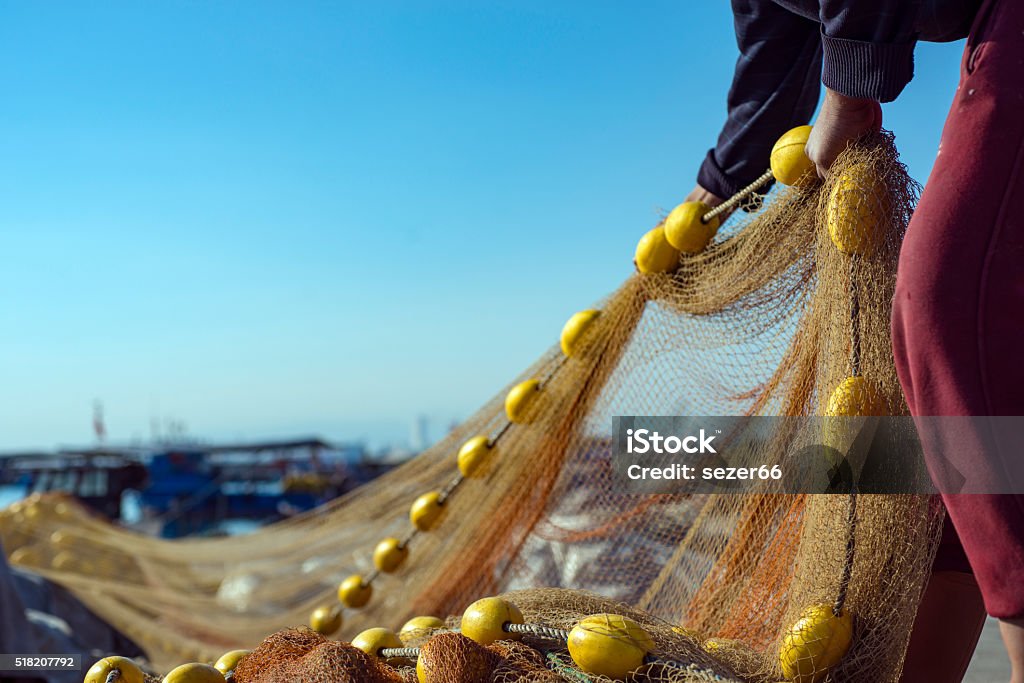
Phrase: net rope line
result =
(453, 485)
(734, 201)
(851, 519)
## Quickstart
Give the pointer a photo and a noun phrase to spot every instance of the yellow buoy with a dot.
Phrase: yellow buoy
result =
(421, 624)
(354, 592)
(229, 660)
(574, 329)
(194, 673)
(789, 161)
(815, 643)
(483, 620)
(685, 230)
(325, 620)
(857, 207)
(130, 671)
(389, 555)
(654, 254)
(373, 640)
(473, 455)
(609, 645)
(426, 511)
(855, 397)
(520, 403)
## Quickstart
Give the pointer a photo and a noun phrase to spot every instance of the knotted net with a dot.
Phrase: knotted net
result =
(768, 320)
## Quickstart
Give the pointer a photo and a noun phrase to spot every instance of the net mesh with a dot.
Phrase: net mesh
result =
(768, 320)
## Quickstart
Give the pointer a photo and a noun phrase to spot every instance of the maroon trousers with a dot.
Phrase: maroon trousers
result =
(958, 313)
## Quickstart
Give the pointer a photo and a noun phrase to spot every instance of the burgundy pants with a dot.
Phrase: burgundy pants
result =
(958, 313)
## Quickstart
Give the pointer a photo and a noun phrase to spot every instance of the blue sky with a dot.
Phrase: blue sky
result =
(281, 218)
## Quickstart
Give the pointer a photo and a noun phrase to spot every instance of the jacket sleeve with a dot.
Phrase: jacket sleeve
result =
(775, 87)
(868, 46)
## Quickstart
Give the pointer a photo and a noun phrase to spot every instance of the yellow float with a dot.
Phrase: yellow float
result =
(129, 670)
(423, 623)
(426, 511)
(855, 397)
(856, 210)
(194, 673)
(574, 329)
(521, 400)
(373, 640)
(789, 161)
(609, 645)
(815, 643)
(654, 254)
(229, 660)
(685, 229)
(483, 621)
(473, 455)
(325, 620)
(389, 555)
(354, 592)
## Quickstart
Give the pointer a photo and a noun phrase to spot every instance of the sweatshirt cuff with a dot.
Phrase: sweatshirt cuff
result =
(715, 180)
(875, 71)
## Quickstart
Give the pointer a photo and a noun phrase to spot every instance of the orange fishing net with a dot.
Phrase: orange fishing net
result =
(759, 323)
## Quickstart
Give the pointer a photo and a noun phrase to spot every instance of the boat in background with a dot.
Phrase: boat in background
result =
(193, 489)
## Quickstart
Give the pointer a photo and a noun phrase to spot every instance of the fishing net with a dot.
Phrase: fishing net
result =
(769, 319)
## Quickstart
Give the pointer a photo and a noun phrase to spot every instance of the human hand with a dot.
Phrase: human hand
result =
(699, 194)
(841, 120)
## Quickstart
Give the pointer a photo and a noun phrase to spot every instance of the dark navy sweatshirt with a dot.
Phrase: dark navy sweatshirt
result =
(788, 48)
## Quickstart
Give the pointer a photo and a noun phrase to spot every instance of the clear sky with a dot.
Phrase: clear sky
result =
(292, 217)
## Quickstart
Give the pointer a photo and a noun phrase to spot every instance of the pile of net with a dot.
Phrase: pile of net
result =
(758, 323)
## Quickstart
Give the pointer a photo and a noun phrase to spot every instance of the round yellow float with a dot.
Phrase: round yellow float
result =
(815, 643)
(483, 620)
(473, 455)
(130, 671)
(354, 592)
(574, 329)
(194, 673)
(609, 645)
(373, 640)
(654, 254)
(424, 623)
(855, 397)
(857, 207)
(426, 511)
(520, 401)
(685, 230)
(789, 161)
(389, 555)
(325, 620)
(229, 660)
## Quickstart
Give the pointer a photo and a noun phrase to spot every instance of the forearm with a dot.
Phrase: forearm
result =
(775, 87)
(868, 46)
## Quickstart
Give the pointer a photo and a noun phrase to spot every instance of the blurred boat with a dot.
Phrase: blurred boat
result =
(196, 489)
